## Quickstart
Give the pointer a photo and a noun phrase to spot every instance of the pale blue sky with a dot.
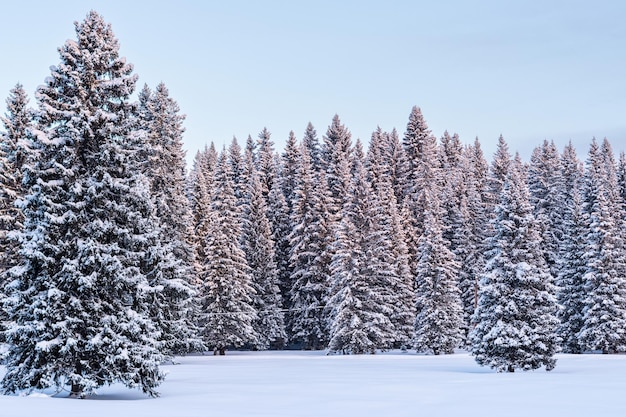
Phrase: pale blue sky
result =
(527, 69)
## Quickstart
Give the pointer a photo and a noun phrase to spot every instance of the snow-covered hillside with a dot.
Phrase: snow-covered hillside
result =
(395, 384)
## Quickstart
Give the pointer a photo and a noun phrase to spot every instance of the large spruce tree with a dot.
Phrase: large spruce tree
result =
(309, 257)
(226, 289)
(516, 314)
(572, 247)
(14, 150)
(79, 311)
(359, 308)
(604, 314)
(174, 307)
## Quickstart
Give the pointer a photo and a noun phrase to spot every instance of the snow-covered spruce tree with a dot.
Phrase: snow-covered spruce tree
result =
(476, 228)
(604, 320)
(173, 308)
(312, 143)
(359, 308)
(397, 164)
(258, 247)
(545, 184)
(78, 305)
(278, 215)
(310, 258)
(439, 321)
(420, 148)
(14, 150)
(265, 163)
(459, 217)
(289, 171)
(391, 253)
(336, 155)
(499, 170)
(516, 315)
(199, 189)
(453, 194)
(572, 248)
(226, 292)
(239, 172)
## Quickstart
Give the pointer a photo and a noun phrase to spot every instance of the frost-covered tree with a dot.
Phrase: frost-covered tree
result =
(78, 305)
(289, 171)
(416, 134)
(499, 169)
(278, 215)
(238, 170)
(545, 184)
(422, 172)
(199, 190)
(604, 320)
(14, 150)
(439, 321)
(572, 248)
(226, 288)
(173, 308)
(359, 308)
(389, 237)
(258, 247)
(312, 143)
(336, 155)
(476, 216)
(265, 162)
(516, 315)
(309, 257)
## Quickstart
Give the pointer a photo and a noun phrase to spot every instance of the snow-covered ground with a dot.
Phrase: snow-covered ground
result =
(394, 384)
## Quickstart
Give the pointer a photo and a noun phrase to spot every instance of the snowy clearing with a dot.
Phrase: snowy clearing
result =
(312, 384)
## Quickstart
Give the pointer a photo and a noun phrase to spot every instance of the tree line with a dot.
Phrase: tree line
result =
(115, 259)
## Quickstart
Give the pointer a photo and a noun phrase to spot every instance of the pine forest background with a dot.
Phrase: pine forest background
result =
(115, 258)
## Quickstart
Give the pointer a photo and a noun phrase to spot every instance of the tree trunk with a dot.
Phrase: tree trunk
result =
(77, 391)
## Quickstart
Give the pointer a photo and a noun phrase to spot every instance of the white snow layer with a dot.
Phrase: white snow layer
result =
(293, 384)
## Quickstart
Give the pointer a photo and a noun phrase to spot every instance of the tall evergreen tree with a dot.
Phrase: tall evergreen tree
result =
(226, 293)
(288, 171)
(438, 326)
(173, 308)
(476, 219)
(420, 148)
(336, 155)
(516, 314)
(359, 309)
(78, 303)
(310, 257)
(389, 236)
(14, 150)
(312, 143)
(238, 171)
(545, 184)
(200, 186)
(265, 163)
(572, 249)
(604, 321)
(499, 169)
(278, 215)
(258, 247)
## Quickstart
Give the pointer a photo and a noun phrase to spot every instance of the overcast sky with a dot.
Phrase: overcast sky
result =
(531, 70)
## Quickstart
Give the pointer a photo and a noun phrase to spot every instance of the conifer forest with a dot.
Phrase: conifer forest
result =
(116, 257)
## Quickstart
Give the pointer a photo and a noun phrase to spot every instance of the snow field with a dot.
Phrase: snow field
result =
(293, 384)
